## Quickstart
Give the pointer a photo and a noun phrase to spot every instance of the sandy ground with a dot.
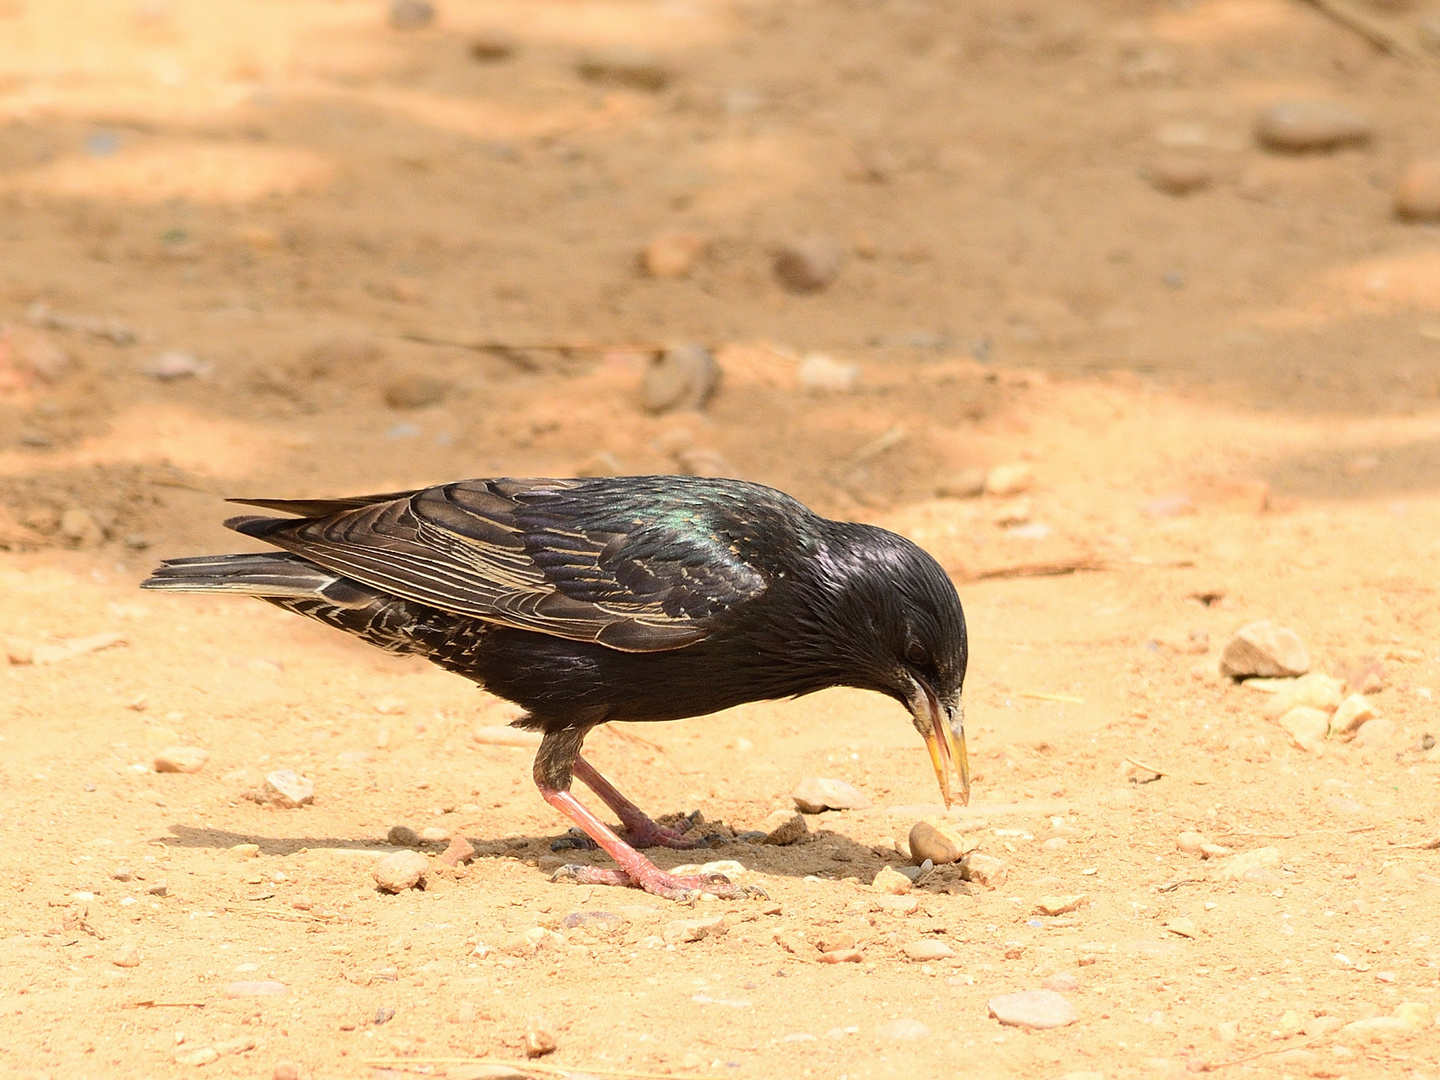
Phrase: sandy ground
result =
(1230, 402)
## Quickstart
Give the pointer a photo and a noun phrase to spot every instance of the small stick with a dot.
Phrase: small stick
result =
(1064, 699)
(532, 1066)
(1257, 1054)
(163, 1005)
(1424, 845)
(514, 351)
(1048, 569)
(1164, 772)
(1371, 29)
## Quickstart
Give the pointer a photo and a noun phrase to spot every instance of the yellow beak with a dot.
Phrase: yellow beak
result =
(946, 747)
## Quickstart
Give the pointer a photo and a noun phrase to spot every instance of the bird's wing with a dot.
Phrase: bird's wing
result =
(629, 564)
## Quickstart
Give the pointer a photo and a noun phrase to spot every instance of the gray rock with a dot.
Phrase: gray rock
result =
(631, 68)
(182, 759)
(785, 828)
(928, 949)
(1033, 1009)
(815, 794)
(401, 870)
(902, 1030)
(1264, 649)
(1300, 126)
(808, 265)
(411, 14)
(287, 788)
(683, 377)
(402, 836)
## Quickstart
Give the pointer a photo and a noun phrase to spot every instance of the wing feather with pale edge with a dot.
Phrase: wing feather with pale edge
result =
(639, 564)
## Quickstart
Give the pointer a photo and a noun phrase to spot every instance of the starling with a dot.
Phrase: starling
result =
(630, 598)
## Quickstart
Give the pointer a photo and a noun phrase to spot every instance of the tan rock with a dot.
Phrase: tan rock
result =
(1190, 842)
(1307, 728)
(985, 870)
(1352, 712)
(1319, 1026)
(1376, 1029)
(1378, 732)
(785, 827)
(1417, 196)
(1248, 862)
(1313, 691)
(891, 882)
(808, 265)
(1415, 1013)
(936, 842)
(1060, 905)
(672, 254)
(1301, 126)
(181, 759)
(401, 870)
(1006, 480)
(1265, 649)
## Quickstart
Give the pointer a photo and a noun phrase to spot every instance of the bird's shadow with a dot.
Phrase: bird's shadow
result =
(822, 853)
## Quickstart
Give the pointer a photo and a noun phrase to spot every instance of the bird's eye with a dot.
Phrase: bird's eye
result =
(915, 653)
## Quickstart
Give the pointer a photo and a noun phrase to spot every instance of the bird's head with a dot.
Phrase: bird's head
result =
(908, 641)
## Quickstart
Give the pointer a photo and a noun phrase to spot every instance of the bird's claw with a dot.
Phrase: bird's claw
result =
(684, 890)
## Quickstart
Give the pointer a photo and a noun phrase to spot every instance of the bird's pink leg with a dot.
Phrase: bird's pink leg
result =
(640, 830)
(635, 869)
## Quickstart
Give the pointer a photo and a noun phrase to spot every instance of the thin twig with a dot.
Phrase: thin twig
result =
(1424, 845)
(514, 351)
(163, 1005)
(531, 1066)
(1165, 772)
(1378, 33)
(1257, 1054)
(1041, 569)
(1064, 699)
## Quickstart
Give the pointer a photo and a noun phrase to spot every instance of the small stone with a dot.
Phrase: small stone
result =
(1313, 691)
(1242, 866)
(1301, 126)
(1378, 732)
(539, 1039)
(491, 46)
(1179, 175)
(842, 956)
(1033, 1009)
(1062, 982)
(158, 888)
(896, 905)
(433, 834)
(122, 873)
(1190, 842)
(1307, 727)
(682, 377)
(931, 842)
(966, 484)
(238, 1045)
(821, 374)
(80, 529)
(903, 1030)
(1215, 851)
(1353, 711)
(1265, 649)
(203, 1055)
(411, 14)
(181, 759)
(672, 254)
(401, 870)
(808, 265)
(1376, 1029)
(814, 795)
(985, 870)
(285, 1070)
(677, 931)
(127, 956)
(287, 788)
(630, 68)
(1004, 481)
(785, 828)
(174, 365)
(415, 391)
(1183, 927)
(459, 851)
(1317, 1027)
(256, 988)
(891, 882)
(1417, 196)
(1055, 843)
(928, 949)
(245, 851)
(402, 836)
(1059, 905)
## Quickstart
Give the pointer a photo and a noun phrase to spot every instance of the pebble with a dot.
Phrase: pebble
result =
(1215, 851)
(933, 842)
(285, 1070)
(402, 836)
(411, 14)
(819, 373)
(966, 484)
(256, 988)
(1307, 728)
(338, 356)
(842, 956)
(491, 46)
(204, 1055)
(815, 794)
(807, 265)
(902, 1030)
(672, 254)
(1062, 982)
(433, 834)
(621, 66)
(1183, 927)
(677, 931)
(1417, 196)
(1179, 176)
(1060, 905)
(1190, 842)
(401, 870)
(127, 956)
(122, 873)
(1300, 126)
(415, 391)
(1243, 867)
(459, 851)
(1314, 691)
(158, 888)
(985, 870)
(288, 789)
(80, 528)
(1378, 732)
(1033, 1009)
(1055, 843)
(182, 759)
(682, 377)
(539, 1039)
(170, 366)
(1353, 711)
(1265, 649)
(896, 905)
(928, 949)
(1007, 480)
(785, 828)
(891, 882)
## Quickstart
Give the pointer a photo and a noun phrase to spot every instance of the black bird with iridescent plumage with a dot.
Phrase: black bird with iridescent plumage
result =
(618, 598)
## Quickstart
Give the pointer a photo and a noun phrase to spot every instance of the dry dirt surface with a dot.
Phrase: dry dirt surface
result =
(300, 247)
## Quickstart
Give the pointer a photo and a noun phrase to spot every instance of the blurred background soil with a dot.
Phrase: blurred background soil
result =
(1128, 311)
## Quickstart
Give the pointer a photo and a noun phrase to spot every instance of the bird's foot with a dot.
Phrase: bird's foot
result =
(652, 879)
(647, 833)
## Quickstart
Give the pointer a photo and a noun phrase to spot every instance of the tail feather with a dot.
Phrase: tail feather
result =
(271, 576)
